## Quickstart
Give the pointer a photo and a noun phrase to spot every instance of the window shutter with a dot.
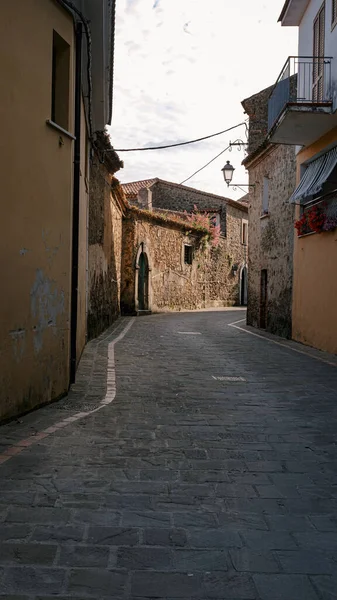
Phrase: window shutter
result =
(318, 51)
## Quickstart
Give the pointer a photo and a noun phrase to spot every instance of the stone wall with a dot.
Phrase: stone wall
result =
(180, 198)
(271, 238)
(174, 285)
(105, 247)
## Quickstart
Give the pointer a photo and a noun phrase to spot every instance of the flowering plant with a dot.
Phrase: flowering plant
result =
(204, 221)
(330, 224)
(316, 218)
(301, 225)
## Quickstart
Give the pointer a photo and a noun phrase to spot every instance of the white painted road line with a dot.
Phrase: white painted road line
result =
(108, 398)
(266, 339)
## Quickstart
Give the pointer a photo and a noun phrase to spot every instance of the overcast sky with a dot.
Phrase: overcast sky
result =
(182, 68)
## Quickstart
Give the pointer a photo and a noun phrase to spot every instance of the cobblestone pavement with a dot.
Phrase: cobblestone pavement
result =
(188, 485)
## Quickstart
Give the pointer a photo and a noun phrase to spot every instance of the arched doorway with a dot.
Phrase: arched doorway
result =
(143, 282)
(243, 286)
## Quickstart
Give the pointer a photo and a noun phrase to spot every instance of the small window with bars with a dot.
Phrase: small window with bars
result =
(188, 254)
(244, 233)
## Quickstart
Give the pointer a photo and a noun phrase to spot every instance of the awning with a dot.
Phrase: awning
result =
(315, 175)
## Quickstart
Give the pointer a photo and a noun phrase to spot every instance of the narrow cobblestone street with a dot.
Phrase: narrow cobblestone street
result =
(211, 473)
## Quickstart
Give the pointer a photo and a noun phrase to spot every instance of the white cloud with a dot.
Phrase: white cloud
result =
(182, 68)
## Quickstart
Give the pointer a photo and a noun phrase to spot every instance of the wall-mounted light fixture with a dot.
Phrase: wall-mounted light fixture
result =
(227, 172)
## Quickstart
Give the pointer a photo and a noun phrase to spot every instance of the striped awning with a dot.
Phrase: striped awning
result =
(314, 177)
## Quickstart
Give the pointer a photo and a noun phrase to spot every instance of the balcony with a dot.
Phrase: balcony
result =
(300, 104)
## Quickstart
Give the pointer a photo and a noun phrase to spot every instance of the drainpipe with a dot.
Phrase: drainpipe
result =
(76, 203)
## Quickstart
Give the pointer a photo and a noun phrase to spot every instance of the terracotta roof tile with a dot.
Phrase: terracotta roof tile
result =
(132, 188)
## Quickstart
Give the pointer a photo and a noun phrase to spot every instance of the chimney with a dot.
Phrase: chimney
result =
(145, 198)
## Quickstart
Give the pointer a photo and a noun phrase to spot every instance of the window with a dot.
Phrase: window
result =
(265, 198)
(244, 233)
(334, 13)
(215, 219)
(318, 51)
(60, 82)
(188, 254)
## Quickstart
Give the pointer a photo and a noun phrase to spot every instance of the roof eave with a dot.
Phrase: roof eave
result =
(292, 12)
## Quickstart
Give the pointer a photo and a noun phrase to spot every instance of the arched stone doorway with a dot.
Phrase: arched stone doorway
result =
(243, 286)
(143, 282)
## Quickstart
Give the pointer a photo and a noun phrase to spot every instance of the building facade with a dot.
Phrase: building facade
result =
(307, 119)
(272, 173)
(56, 95)
(180, 270)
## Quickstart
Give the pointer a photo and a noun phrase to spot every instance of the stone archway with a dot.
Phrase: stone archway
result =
(142, 281)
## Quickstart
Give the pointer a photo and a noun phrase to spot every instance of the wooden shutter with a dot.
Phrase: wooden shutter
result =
(318, 51)
(334, 11)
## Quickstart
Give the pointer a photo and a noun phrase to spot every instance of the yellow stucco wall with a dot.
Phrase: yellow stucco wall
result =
(315, 282)
(36, 189)
(83, 242)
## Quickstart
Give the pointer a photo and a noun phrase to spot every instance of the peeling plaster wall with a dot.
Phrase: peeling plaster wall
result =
(35, 240)
(83, 241)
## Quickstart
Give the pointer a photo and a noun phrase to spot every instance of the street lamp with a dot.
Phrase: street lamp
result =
(227, 172)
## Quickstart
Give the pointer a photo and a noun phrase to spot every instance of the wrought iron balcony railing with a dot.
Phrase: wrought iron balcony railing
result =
(305, 81)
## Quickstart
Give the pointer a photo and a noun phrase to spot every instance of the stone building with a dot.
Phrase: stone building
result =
(107, 207)
(166, 264)
(272, 172)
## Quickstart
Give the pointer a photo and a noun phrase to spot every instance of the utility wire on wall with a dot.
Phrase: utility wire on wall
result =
(207, 137)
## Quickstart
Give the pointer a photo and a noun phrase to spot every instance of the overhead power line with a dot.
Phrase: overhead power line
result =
(207, 137)
(206, 165)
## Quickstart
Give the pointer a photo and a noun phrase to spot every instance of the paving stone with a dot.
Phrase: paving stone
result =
(164, 537)
(200, 560)
(38, 515)
(305, 561)
(158, 585)
(214, 538)
(323, 541)
(324, 523)
(137, 559)
(196, 519)
(97, 582)
(49, 533)
(14, 532)
(228, 585)
(83, 556)
(265, 540)
(113, 536)
(96, 517)
(288, 523)
(326, 586)
(284, 587)
(146, 519)
(245, 559)
(31, 580)
(27, 553)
